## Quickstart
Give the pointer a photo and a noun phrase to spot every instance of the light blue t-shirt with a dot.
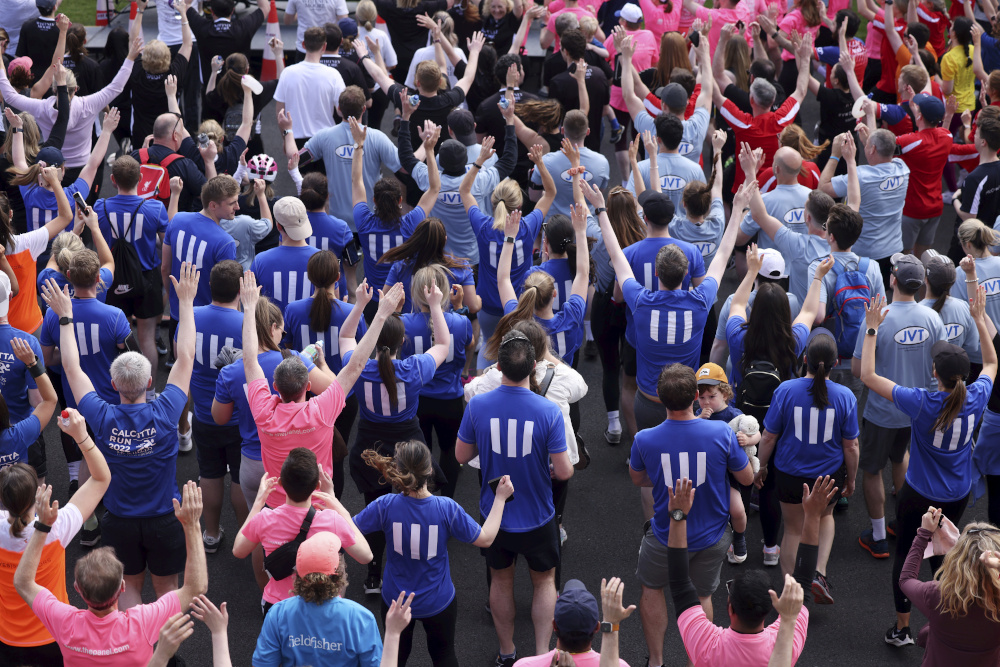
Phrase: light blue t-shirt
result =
(216, 327)
(447, 381)
(811, 439)
(15, 380)
(787, 203)
(883, 192)
(701, 450)
(246, 230)
(988, 274)
(335, 146)
(143, 219)
(281, 274)
(941, 461)
(693, 138)
(959, 326)
(676, 171)
(903, 355)
(196, 238)
(412, 374)
(336, 633)
(705, 235)
(597, 174)
(800, 251)
(417, 532)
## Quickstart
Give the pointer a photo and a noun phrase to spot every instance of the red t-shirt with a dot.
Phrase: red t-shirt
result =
(759, 131)
(809, 179)
(926, 152)
(887, 82)
(654, 106)
(972, 130)
(937, 21)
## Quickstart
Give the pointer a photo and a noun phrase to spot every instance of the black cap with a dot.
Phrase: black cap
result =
(949, 360)
(453, 156)
(463, 124)
(657, 207)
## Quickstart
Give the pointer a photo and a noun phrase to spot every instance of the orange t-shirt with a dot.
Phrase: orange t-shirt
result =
(22, 252)
(18, 624)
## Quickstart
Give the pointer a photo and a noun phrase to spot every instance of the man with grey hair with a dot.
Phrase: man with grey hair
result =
(139, 440)
(883, 183)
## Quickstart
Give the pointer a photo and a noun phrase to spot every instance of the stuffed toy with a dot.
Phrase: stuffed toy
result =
(748, 425)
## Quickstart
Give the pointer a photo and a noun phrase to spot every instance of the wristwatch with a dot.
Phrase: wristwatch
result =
(42, 527)
(607, 627)
(65, 320)
(678, 515)
(17, 129)
(358, 146)
(871, 332)
(599, 210)
(509, 239)
(285, 132)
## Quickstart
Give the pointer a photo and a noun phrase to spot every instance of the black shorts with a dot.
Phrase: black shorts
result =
(790, 486)
(153, 543)
(218, 449)
(540, 548)
(36, 456)
(629, 364)
(46, 655)
(147, 302)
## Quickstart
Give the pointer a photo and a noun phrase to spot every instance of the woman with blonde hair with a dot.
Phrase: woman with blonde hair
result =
(962, 603)
(367, 18)
(805, 17)
(976, 239)
(736, 58)
(67, 244)
(507, 200)
(795, 138)
(941, 470)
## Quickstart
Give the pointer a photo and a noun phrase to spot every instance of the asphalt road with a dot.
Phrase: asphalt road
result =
(604, 522)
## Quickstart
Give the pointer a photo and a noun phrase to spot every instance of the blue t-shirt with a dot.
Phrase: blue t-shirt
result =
(515, 430)
(333, 234)
(727, 414)
(941, 462)
(411, 376)
(143, 218)
(668, 327)
(14, 441)
(102, 285)
(231, 387)
(402, 272)
(301, 334)
(15, 380)
(416, 533)
(379, 237)
(40, 206)
(336, 633)
(281, 273)
(562, 274)
(701, 450)
(811, 439)
(447, 381)
(100, 329)
(196, 238)
(565, 329)
(641, 257)
(491, 245)
(217, 328)
(736, 332)
(139, 441)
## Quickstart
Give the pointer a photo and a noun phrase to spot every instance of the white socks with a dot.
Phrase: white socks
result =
(878, 529)
(74, 470)
(614, 424)
(587, 331)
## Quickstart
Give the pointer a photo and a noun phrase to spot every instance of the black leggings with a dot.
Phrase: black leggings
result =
(443, 416)
(440, 629)
(344, 425)
(607, 321)
(770, 510)
(910, 508)
(46, 655)
(376, 540)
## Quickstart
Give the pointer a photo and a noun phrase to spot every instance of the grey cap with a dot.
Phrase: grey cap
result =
(909, 271)
(674, 97)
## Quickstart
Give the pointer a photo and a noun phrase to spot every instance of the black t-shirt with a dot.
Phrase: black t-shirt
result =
(555, 64)
(435, 109)
(464, 28)
(834, 112)
(349, 71)
(407, 36)
(188, 171)
(223, 36)
(981, 193)
(215, 107)
(38, 42)
(499, 33)
(149, 98)
(564, 88)
(490, 121)
(89, 77)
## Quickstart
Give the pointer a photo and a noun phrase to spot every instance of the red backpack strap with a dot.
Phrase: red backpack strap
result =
(143, 155)
(170, 159)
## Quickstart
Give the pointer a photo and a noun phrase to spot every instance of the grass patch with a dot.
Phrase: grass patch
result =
(85, 11)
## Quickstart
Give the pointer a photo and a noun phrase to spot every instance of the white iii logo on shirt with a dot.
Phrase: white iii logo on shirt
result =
(891, 183)
(497, 444)
(432, 540)
(680, 326)
(684, 467)
(911, 336)
(672, 183)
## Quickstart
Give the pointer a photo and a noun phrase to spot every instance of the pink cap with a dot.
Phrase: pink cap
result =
(23, 61)
(320, 553)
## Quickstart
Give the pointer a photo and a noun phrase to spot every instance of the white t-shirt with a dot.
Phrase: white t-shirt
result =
(313, 14)
(427, 53)
(310, 92)
(168, 22)
(382, 37)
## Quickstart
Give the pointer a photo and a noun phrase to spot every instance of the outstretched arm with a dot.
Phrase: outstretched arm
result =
(728, 242)
(465, 188)
(548, 185)
(504, 286)
(108, 127)
(381, 77)
(59, 301)
(359, 132)
(27, 568)
(186, 289)
(810, 307)
(388, 303)
(64, 214)
(429, 198)
(475, 46)
(249, 296)
(874, 316)
(622, 269)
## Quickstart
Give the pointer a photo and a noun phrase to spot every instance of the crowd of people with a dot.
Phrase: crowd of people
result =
(442, 282)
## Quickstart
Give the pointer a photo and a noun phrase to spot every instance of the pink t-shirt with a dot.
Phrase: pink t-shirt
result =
(120, 639)
(551, 25)
(284, 426)
(589, 659)
(721, 17)
(795, 21)
(647, 54)
(709, 645)
(658, 20)
(274, 527)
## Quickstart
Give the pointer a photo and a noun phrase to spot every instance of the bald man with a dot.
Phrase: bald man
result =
(786, 202)
(170, 138)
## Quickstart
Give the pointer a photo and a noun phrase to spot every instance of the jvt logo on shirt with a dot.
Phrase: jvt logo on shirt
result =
(992, 286)
(911, 336)
(511, 449)
(685, 147)
(957, 439)
(346, 151)
(812, 425)
(587, 176)
(795, 216)
(672, 183)
(684, 468)
(415, 529)
(954, 330)
(892, 183)
(705, 249)
(680, 325)
(449, 198)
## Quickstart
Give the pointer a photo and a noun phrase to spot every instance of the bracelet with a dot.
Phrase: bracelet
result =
(599, 210)
(477, 165)
(774, 35)
(36, 369)
(80, 445)
(17, 129)
(42, 527)
(834, 157)
(971, 281)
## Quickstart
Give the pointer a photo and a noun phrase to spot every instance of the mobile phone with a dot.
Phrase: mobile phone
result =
(351, 254)
(695, 37)
(494, 483)
(80, 201)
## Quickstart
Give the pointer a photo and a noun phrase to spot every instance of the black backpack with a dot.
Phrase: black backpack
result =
(280, 563)
(754, 393)
(128, 280)
(232, 120)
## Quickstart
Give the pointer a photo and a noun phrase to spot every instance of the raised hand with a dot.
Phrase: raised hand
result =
(486, 150)
(873, 314)
(432, 295)
(363, 294)
(13, 119)
(57, 299)
(390, 301)
(815, 502)
(824, 267)
(754, 259)
(681, 496)
(170, 85)
(23, 351)
(592, 194)
(46, 508)
(649, 141)
(249, 292)
(571, 151)
(512, 224)
(267, 485)
(718, 140)
(188, 512)
(216, 618)
(359, 132)
(790, 602)
(399, 615)
(173, 633)
(612, 610)
(187, 286)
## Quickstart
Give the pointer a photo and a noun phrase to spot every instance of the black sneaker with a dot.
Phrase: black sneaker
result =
(90, 538)
(161, 346)
(505, 662)
(74, 484)
(590, 350)
(821, 590)
(753, 502)
(616, 134)
(842, 504)
(877, 548)
(395, 125)
(373, 584)
(894, 637)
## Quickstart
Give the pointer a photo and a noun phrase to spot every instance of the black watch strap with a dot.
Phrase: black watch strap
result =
(42, 528)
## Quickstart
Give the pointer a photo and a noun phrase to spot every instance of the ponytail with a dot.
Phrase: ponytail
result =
(390, 339)
(821, 357)
(941, 300)
(27, 176)
(818, 387)
(323, 271)
(387, 372)
(525, 311)
(408, 470)
(952, 406)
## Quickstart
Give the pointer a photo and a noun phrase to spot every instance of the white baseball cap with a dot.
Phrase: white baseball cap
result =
(5, 291)
(630, 13)
(290, 213)
(772, 265)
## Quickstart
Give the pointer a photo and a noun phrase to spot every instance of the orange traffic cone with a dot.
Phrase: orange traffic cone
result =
(269, 70)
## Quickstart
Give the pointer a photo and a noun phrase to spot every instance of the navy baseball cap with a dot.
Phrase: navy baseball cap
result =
(577, 613)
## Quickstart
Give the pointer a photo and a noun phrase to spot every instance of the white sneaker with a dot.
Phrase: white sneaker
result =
(562, 535)
(185, 442)
(772, 556)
